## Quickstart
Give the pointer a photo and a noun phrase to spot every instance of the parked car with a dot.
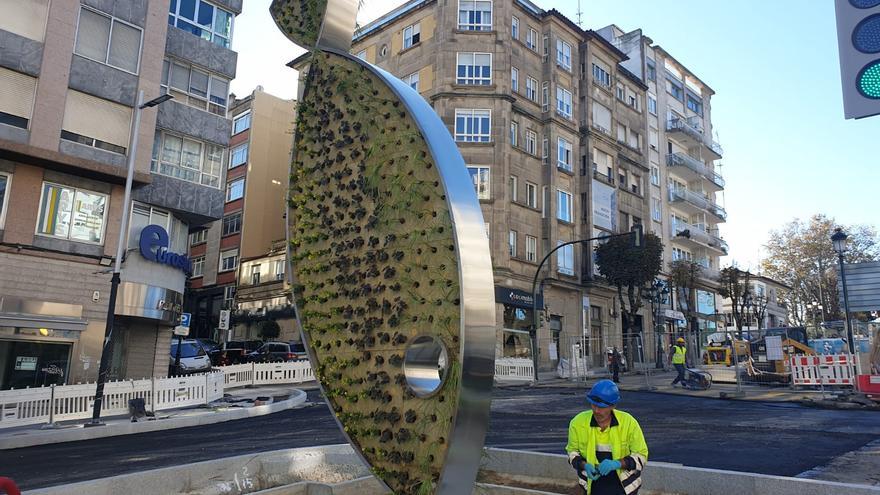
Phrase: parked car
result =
(236, 351)
(274, 352)
(213, 349)
(193, 358)
(299, 349)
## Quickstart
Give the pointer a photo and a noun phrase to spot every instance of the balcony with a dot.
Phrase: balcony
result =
(719, 212)
(694, 203)
(719, 244)
(714, 148)
(697, 238)
(600, 176)
(689, 132)
(707, 273)
(691, 168)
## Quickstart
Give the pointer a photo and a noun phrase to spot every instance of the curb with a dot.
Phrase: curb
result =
(45, 437)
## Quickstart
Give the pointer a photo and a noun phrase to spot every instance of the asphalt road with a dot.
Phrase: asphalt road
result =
(769, 438)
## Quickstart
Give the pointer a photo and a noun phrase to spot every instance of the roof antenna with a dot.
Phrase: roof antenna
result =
(580, 14)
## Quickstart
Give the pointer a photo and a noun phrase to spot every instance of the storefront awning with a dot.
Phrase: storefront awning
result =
(27, 313)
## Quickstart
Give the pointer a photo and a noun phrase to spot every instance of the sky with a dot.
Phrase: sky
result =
(777, 108)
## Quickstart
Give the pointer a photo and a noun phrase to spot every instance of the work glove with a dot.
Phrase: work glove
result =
(608, 465)
(589, 472)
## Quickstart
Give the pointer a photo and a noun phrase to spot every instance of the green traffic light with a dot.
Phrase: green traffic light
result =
(868, 81)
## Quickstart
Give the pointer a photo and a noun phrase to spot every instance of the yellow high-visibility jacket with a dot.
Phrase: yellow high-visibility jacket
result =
(627, 444)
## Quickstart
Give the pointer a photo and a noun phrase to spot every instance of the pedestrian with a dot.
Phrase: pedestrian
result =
(606, 445)
(615, 365)
(679, 351)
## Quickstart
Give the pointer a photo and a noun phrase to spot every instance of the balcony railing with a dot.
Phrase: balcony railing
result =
(688, 128)
(698, 200)
(695, 165)
(719, 243)
(695, 232)
(717, 211)
(603, 177)
(715, 147)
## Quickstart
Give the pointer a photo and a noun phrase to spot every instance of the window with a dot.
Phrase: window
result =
(563, 154)
(514, 79)
(203, 20)
(229, 295)
(255, 274)
(695, 104)
(475, 15)
(563, 54)
(621, 133)
(656, 209)
(412, 35)
(655, 175)
(652, 69)
(26, 18)
(545, 96)
(143, 215)
(514, 28)
(473, 126)
(633, 139)
(241, 122)
(621, 176)
(108, 40)
(532, 39)
(674, 88)
(234, 190)
(71, 213)
(601, 118)
(511, 243)
(362, 55)
(545, 200)
(198, 266)
(412, 80)
(228, 260)
(514, 185)
(620, 92)
(383, 51)
(279, 269)
(545, 150)
(186, 159)
(5, 181)
(601, 76)
(96, 122)
(546, 46)
(480, 178)
(531, 248)
(532, 89)
(198, 237)
(238, 155)
(195, 87)
(563, 102)
(514, 133)
(652, 104)
(474, 68)
(531, 195)
(563, 206)
(565, 259)
(531, 143)
(17, 97)
(635, 183)
(231, 224)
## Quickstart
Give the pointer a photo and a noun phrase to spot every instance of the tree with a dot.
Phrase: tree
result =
(735, 284)
(269, 329)
(683, 275)
(800, 255)
(759, 309)
(630, 270)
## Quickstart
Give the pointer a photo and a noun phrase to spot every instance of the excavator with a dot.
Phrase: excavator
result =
(752, 355)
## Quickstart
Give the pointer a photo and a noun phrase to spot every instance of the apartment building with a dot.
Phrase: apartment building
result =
(70, 73)
(552, 129)
(765, 307)
(685, 185)
(252, 226)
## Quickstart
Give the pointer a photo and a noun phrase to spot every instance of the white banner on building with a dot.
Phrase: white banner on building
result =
(604, 206)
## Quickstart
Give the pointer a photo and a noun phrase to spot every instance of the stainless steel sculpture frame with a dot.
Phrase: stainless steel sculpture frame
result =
(477, 333)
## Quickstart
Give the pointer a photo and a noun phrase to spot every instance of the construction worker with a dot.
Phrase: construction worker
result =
(679, 351)
(606, 446)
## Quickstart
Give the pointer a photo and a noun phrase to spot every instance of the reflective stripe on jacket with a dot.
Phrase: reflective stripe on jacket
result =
(679, 353)
(627, 440)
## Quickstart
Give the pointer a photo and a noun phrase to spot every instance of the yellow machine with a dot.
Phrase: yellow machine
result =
(721, 354)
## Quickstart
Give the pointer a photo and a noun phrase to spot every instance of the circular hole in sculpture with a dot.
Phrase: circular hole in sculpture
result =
(425, 365)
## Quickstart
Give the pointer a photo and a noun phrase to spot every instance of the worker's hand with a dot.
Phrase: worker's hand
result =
(589, 472)
(608, 465)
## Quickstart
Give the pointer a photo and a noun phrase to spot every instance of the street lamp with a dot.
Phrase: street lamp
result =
(638, 241)
(838, 240)
(103, 369)
(658, 292)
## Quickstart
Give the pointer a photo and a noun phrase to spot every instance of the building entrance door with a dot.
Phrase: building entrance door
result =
(25, 363)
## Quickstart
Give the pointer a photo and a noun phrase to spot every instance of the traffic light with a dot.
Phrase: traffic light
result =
(858, 39)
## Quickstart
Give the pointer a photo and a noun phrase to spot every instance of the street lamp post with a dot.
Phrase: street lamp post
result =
(103, 368)
(838, 240)
(637, 236)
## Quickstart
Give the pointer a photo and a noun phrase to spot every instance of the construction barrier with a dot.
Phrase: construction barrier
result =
(827, 369)
(514, 369)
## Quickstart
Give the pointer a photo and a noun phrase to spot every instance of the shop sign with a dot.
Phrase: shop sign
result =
(515, 297)
(154, 245)
(25, 363)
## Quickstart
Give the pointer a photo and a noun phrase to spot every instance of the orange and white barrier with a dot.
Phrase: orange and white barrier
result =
(826, 369)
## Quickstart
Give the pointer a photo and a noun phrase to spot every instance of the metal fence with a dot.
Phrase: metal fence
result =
(74, 402)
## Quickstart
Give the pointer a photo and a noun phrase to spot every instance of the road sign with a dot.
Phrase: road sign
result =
(224, 319)
(185, 318)
(863, 286)
(858, 39)
(181, 330)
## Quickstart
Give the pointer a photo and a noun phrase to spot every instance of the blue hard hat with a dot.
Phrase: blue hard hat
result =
(604, 394)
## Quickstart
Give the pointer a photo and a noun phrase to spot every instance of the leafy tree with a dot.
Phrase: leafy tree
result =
(630, 270)
(683, 275)
(269, 329)
(734, 284)
(800, 255)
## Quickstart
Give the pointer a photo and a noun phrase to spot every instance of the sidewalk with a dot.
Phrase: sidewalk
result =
(236, 404)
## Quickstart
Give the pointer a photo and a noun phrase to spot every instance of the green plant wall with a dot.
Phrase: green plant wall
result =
(299, 20)
(375, 266)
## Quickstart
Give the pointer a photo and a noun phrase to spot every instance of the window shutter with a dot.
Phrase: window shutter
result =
(97, 118)
(92, 35)
(25, 18)
(17, 93)
(125, 47)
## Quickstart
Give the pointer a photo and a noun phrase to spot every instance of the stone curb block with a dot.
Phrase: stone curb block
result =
(44, 437)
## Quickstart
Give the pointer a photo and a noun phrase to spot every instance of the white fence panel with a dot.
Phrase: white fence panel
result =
(180, 391)
(237, 375)
(277, 373)
(117, 395)
(25, 406)
(514, 369)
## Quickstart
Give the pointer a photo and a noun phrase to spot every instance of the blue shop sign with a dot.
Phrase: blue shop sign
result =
(154, 247)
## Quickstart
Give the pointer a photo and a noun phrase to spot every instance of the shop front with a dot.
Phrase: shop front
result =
(516, 310)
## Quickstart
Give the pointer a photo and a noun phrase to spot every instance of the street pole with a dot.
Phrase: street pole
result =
(103, 369)
(846, 318)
